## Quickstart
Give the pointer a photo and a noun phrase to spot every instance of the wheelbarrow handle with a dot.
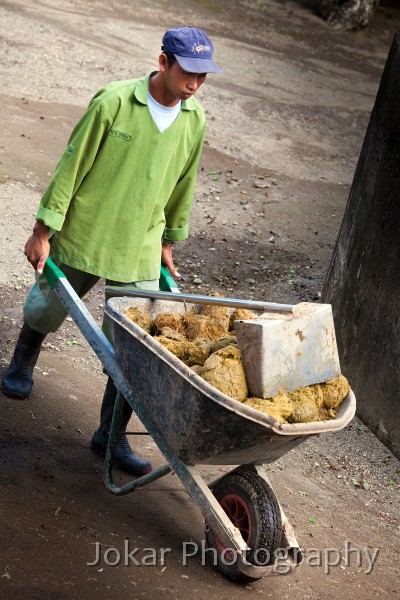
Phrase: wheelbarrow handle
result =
(52, 273)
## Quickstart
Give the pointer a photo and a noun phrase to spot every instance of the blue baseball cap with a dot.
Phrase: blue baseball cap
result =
(192, 49)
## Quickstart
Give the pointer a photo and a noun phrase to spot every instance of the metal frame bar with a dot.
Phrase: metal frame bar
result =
(188, 474)
(115, 291)
(190, 478)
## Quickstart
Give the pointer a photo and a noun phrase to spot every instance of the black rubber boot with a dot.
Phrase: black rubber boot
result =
(125, 458)
(18, 380)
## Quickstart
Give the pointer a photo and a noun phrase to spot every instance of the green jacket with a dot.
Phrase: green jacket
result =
(121, 184)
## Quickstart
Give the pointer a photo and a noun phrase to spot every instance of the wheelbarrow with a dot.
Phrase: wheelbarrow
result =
(247, 533)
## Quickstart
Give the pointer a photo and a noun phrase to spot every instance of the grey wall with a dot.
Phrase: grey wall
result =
(363, 281)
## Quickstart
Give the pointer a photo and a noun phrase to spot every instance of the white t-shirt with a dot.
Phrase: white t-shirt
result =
(163, 116)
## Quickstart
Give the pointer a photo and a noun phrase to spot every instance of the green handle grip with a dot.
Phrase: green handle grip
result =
(167, 283)
(52, 273)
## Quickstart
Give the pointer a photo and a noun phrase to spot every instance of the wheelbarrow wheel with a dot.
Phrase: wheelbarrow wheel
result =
(252, 507)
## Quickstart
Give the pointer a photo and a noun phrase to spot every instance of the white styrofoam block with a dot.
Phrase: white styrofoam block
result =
(284, 352)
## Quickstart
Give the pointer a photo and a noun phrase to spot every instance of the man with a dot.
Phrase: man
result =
(120, 196)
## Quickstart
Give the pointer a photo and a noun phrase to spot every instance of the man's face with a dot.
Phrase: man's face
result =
(181, 84)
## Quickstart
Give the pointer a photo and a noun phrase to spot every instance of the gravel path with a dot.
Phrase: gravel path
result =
(285, 125)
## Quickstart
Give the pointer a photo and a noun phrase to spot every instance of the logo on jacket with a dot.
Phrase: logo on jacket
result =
(126, 137)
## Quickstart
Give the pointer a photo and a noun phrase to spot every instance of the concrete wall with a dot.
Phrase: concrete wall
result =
(363, 281)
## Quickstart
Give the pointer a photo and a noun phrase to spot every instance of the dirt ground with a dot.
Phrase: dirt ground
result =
(286, 121)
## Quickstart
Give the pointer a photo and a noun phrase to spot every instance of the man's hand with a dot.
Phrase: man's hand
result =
(167, 260)
(37, 247)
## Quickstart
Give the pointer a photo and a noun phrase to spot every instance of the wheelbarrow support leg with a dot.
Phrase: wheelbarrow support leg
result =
(191, 479)
(110, 455)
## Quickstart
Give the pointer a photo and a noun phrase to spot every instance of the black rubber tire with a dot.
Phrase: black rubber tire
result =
(257, 504)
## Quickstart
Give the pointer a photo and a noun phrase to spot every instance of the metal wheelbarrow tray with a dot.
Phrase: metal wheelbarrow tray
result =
(192, 423)
(200, 424)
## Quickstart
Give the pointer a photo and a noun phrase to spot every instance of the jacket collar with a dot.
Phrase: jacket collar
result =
(142, 89)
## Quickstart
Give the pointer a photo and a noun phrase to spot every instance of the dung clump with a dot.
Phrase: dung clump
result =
(222, 342)
(177, 348)
(197, 369)
(240, 314)
(307, 402)
(168, 319)
(224, 370)
(202, 327)
(310, 394)
(279, 407)
(326, 414)
(304, 412)
(334, 392)
(202, 342)
(172, 334)
(318, 402)
(141, 318)
(197, 352)
(218, 314)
